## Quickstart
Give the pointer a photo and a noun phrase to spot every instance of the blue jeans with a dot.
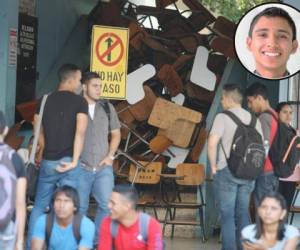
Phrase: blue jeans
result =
(100, 184)
(48, 181)
(265, 183)
(232, 196)
(8, 237)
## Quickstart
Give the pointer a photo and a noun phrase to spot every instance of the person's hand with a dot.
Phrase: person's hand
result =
(108, 160)
(38, 155)
(19, 245)
(66, 166)
(213, 171)
(247, 245)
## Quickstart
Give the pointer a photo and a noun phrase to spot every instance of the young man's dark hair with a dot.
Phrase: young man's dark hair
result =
(127, 191)
(66, 71)
(69, 192)
(274, 12)
(87, 76)
(256, 89)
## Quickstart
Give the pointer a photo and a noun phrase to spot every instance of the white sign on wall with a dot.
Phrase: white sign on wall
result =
(13, 47)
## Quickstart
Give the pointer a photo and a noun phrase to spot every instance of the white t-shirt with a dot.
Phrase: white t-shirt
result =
(249, 232)
(92, 110)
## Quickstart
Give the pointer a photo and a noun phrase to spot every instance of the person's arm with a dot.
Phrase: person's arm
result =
(113, 147)
(266, 125)
(292, 235)
(39, 231)
(216, 132)
(105, 236)
(213, 141)
(20, 211)
(154, 241)
(291, 243)
(81, 125)
(37, 244)
(41, 140)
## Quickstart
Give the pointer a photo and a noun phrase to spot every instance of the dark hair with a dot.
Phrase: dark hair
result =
(257, 89)
(69, 192)
(281, 227)
(2, 122)
(280, 106)
(127, 191)
(274, 12)
(87, 76)
(66, 71)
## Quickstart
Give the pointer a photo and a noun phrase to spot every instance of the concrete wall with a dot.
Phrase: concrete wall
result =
(56, 20)
(8, 21)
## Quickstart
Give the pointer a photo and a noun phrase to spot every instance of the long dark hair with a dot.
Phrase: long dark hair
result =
(278, 109)
(281, 225)
(69, 192)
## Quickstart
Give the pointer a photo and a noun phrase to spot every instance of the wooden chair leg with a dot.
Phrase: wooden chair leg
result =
(202, 224)
(168, 211)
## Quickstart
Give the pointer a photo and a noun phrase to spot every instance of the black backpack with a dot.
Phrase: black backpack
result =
(284, 151)
(247, 153)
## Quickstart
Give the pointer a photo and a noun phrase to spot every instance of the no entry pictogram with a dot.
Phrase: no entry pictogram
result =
(113, 42)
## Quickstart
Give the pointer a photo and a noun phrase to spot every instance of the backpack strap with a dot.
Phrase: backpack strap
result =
(289, 148)
(76, 227)
(275, 116)
(114, 226)
(105, 105)
(233, 117)
(144, 220)
(49, 226)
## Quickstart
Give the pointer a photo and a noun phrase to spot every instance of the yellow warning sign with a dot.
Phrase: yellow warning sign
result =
(109, 58)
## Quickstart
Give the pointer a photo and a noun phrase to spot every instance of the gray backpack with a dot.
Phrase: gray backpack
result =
(8, 182)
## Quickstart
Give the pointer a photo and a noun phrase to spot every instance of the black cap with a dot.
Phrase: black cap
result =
(2, 122)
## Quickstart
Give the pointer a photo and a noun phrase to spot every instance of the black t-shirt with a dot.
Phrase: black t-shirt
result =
(59, 123)
(18, 164)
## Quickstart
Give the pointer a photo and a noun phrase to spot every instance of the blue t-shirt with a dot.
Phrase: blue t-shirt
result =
(249, 232)
(63, 238)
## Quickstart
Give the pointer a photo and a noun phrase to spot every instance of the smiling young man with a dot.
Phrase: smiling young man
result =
(62, 234)
(126, 228)
(272, 39)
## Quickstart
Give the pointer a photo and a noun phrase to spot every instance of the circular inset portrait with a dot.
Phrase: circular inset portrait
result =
(267, 41)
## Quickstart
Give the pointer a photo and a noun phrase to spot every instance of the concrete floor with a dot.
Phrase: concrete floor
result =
(192, 244)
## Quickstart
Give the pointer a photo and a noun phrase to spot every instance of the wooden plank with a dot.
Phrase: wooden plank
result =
(175, 122)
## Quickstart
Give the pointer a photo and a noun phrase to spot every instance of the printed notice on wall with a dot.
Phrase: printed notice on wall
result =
(13, 47)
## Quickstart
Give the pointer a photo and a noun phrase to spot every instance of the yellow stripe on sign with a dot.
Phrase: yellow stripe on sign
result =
(109, 58)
